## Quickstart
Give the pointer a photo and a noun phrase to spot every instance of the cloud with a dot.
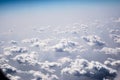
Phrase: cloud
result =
(13, 42)
(82, 69)
(114, 31)
(32, 40)
(26, 58)
(11, 77)
(64, 60)
(3, 60)
(54, 77)
(49, 66)
(14, 49)
(40, 76)
(108, 50)
(116, 38)
(115, 64)
(112, 63)
(114, 34)
(117, 20)
(93, 40)
(8, 68)
(65, 45)
(31, 59)
(36, 42)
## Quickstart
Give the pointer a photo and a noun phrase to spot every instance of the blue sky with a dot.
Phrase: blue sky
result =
(55, 2)
(46, 11)
(28, 5)
(54, 12)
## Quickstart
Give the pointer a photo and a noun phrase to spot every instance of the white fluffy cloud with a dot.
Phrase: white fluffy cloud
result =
(14, 49)
(13, 42)
(53, 61)
(93, 40)
(26, 58)
(49, 66)
(116, 38)
(64, 60)
(65, 45)
(11, 77)
(36, 42)
(112, 63)
(82, 69)
(115, 35)
(40, 76)
(108, 50)
(114, 31)
(3, 60)
(32, 40)
(31, 59)
(8, 68)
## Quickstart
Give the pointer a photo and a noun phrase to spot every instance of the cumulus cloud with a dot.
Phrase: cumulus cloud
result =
(3, 60)
(11, 77)
(64, 60)
(31, 59)
(8, 68)
(112, 63)
(82, 69)
(108, 50)
(115, 64)
(114, 31)
(14, 49)
(32, 40)
(66, 45)
(49, 66)
(93, 40)
(13, 42)
(36, 42)
(116, 38)
(53, 77)
(114, 34)
(26, 58)
(40, 76)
